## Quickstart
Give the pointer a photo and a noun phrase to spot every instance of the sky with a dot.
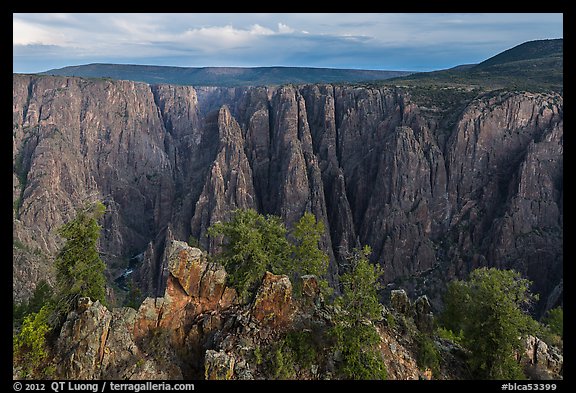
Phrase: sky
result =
(411, 42)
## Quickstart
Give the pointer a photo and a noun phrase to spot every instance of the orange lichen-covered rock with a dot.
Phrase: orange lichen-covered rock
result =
(273, 303)
(193, 287)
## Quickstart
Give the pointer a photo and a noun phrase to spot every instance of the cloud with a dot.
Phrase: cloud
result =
(216, 38)
(377, 41)
(25, 33)
(284, 29)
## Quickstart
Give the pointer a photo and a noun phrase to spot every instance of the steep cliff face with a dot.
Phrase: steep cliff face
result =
(76, 140)
(506, 185)
(436, 186)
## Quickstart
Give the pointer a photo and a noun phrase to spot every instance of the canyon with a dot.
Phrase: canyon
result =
(436, 180)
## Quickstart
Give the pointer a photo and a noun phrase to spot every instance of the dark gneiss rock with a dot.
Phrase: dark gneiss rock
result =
(435, 192)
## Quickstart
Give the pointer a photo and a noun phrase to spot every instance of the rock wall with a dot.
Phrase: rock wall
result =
(436, 186)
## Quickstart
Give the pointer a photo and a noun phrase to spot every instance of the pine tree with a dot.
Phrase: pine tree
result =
(307, 257)
(79, 269)
(355, 336)
(253, 244)
(490, 309)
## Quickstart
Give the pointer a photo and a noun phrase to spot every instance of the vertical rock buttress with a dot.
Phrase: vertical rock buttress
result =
(371, 163)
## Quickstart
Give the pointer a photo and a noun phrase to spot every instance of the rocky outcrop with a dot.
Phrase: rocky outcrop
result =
(272, 305)
(194, 287)
(218, 365)
(96, 343)
(198, 331)
(423, 316)
(193, 331)
(82, 340)
(436, 181)
(542, 361)
(399, 301)
(124, 343)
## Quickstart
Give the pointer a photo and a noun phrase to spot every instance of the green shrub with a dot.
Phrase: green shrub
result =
(360, 356)
(279, 361)
(30, 348)
(391, 320)
(41, 296)
(490, 309)
(18, 244)
(258, 356)
(552, 330)
(193, 242)
(254, 244)
(554, 320)
(295, 349)
(428, 356)
(134, 297)
(449, 335)
(304, 347)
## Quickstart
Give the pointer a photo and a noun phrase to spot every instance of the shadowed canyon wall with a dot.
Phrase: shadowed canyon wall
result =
(435, 186)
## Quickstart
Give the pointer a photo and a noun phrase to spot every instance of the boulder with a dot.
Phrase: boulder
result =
(423, 316)
(272, 306)
(399, 301)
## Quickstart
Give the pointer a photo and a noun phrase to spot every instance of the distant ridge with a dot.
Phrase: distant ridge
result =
(530, 50)
(223, 76)
(533, 65)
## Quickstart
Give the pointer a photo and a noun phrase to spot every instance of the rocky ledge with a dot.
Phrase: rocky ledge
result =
(198, 329)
